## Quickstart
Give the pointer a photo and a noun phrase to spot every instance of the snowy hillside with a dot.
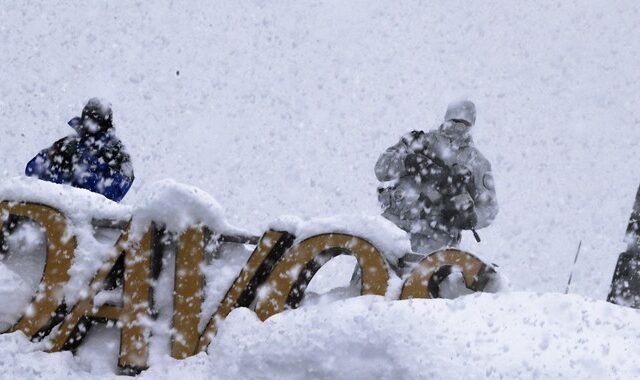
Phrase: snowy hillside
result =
(282, 108)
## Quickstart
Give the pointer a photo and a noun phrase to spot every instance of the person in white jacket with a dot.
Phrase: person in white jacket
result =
(437, 184)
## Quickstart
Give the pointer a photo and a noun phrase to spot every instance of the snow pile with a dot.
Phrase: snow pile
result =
(177, 206)
(517, 335)
(79, 205)
(167, 202)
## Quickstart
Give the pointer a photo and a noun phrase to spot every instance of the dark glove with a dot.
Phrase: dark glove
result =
(458, 180)
(460, 212)
(466, 220)
(415, 163)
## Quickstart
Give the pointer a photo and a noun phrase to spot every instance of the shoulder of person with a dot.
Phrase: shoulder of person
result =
(479, 160)
(67, 139)
(64, 143)
(113, 144)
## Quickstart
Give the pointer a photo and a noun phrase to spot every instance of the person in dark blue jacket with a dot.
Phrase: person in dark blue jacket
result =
(93, 158)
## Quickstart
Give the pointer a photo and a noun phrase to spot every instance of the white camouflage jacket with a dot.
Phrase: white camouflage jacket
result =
(413, 204)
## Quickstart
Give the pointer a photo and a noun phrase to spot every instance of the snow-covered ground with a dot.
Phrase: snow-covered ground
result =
(281, 108)
(509, 336)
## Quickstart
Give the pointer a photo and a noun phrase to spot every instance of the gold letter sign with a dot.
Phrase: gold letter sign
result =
(279, 266)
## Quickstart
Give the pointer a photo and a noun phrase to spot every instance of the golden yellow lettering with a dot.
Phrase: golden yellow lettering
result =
(47, 305)
(135, 311)
(270, 248)
(425, 279)
(290, 277)
(188, 292)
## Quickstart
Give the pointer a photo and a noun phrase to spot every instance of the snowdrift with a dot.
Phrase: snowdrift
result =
(515, 335)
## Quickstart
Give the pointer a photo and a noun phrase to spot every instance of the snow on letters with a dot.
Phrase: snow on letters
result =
(104, 265)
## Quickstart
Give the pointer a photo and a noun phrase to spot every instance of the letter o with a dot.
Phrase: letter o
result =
(292, 274)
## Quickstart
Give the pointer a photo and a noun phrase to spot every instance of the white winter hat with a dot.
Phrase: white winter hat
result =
(461, 110)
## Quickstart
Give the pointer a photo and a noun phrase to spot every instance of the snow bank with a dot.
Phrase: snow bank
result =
(167, 202)
(516, 335)
(22, 359)
(79, 205)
